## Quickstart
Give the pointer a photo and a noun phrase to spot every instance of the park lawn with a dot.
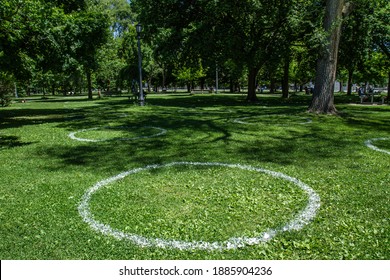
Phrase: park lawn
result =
(45, 174)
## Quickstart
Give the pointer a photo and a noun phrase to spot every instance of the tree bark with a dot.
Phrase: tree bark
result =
(286, 71)
(252, 85)
(323, 97)
(231, 85)
(89, 84)
(350, 75)
(272, 86)
(388, 89)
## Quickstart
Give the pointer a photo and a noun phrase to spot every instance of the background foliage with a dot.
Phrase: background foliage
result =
(54, 46)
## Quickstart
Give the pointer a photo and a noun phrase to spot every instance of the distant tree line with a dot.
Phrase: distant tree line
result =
(70, 46)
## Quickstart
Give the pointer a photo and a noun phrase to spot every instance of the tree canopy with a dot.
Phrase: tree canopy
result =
(67, 44)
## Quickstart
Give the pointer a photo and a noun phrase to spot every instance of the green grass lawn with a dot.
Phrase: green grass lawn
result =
(54, 150)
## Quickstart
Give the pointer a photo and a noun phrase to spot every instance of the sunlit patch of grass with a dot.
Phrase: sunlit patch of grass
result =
(106, 133)
(192, 203)
(271, 120)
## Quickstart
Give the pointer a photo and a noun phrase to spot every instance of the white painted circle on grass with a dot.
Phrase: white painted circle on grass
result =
(74, 137)
(369, 143)
(298, 222)
(242, 120)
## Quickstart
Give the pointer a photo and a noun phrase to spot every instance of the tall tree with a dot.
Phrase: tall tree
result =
(323, 97)
(249, 33)
(86, 32)
(111, 59)
(38, 36)
(381, 34)
(27, 35)
(364, 33)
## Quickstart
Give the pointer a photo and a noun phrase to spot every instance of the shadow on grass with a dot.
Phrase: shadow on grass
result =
(202, 134)
(207, 141)
(186, 139)
(197, 100)
(25, 117)
(7, 141)
(368, 118)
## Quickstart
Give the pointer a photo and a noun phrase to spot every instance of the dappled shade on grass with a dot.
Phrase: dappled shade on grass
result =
(45, 173)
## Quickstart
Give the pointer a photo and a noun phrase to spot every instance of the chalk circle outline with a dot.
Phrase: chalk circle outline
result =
(73, 136)
(241, 120)
(369, 144)
(303, 218)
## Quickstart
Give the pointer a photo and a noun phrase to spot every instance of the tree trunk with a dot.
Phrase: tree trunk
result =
(323, 97)
(350, 75)
(16, 91)
(89, 84)
(272, 87)
(164, 77)
(252, 85)
(286, 70)
(231, 85)
(202, 84)
(149, 83)
(388, 89)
